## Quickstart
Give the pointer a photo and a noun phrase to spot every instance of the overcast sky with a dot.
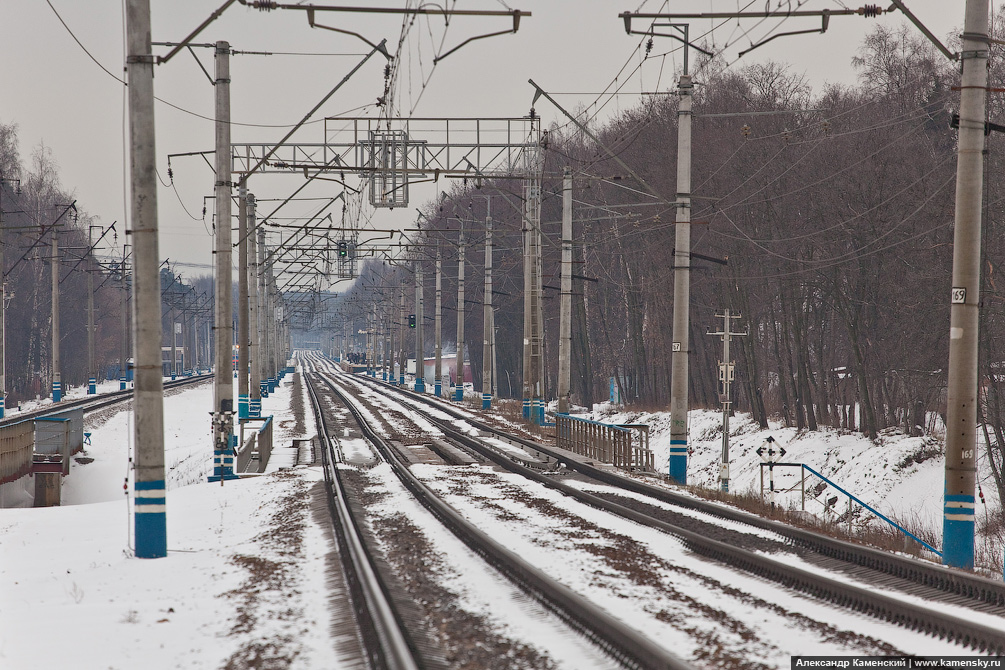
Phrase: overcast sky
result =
(58, 95)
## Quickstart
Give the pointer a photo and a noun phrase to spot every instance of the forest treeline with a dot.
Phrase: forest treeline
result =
(833, 209)
(35, 206)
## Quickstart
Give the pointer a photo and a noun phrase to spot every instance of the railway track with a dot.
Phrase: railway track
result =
(621, 642)
(886, 586)
(94, 403)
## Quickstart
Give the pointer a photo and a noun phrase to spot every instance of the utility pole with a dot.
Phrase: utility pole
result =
(124, 313)
(223, 381)
(533, 312)
(148, 396)
(964, 309)
(726, 368)
(393, 331)
(565, 309)
(243, 326)
(420, 363)
(254, 317)
(402, 356)
(57, 387)
(488, 339)
(459, 357)
(437, 324)
(173, 312)
(92, 381)
(3, 309)
(681, 291)
(263, 318)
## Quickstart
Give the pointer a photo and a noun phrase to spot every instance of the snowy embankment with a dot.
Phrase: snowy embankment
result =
(900, 476)
(244, 577)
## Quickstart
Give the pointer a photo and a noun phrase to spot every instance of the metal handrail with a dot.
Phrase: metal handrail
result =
(877, 513)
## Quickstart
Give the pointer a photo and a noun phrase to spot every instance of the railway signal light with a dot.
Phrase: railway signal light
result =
(411, 321)
(343, 249)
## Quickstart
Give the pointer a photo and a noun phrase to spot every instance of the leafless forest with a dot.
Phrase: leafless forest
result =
(834, 212)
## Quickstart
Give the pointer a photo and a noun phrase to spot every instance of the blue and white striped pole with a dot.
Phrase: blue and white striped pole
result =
(963, 380)
(148, 398)
(92, 386)
(150, 524)
(57, 389)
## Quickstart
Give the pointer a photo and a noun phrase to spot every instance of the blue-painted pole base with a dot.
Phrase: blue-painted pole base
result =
(486, 401)
(122, 383)
(420, 385)
(255, 408)
(243, 407)
(437, 388)
(263, 389)
(384, 375)
(678, 462)
(174, 375)
(92, 386)
(223, 462)
(401, 380)
(150, 519)
(2, 407)
(958, 532)
(57, 391)
(724, 486)
(526, 408)
(458, 393)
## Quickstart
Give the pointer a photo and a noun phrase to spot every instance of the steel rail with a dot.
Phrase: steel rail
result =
(924, 619)
(380, 626)
(619, 640)
(93, 403)
(968, 585)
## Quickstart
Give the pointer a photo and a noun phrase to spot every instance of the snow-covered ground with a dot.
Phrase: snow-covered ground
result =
(902, 477)
(235, 586)
(74, 597)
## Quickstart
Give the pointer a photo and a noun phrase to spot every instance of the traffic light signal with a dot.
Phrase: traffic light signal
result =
(343, 249)
(411, 321)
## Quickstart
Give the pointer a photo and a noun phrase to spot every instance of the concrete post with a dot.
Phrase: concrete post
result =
(243, 325)
(402, 356)
(565, 309)
(92, 374)
(487, 331)
(254, 325)
(173, 315)
(57, 387)
(124, 309)
(223, 380)
(3, 314)
(527, 385)
(437, 327)
(420, 363)
(964, 311)
(533, 312)
(393, 334)
(148, 396)
(682, 291)
(459, 360)
(263, 320)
